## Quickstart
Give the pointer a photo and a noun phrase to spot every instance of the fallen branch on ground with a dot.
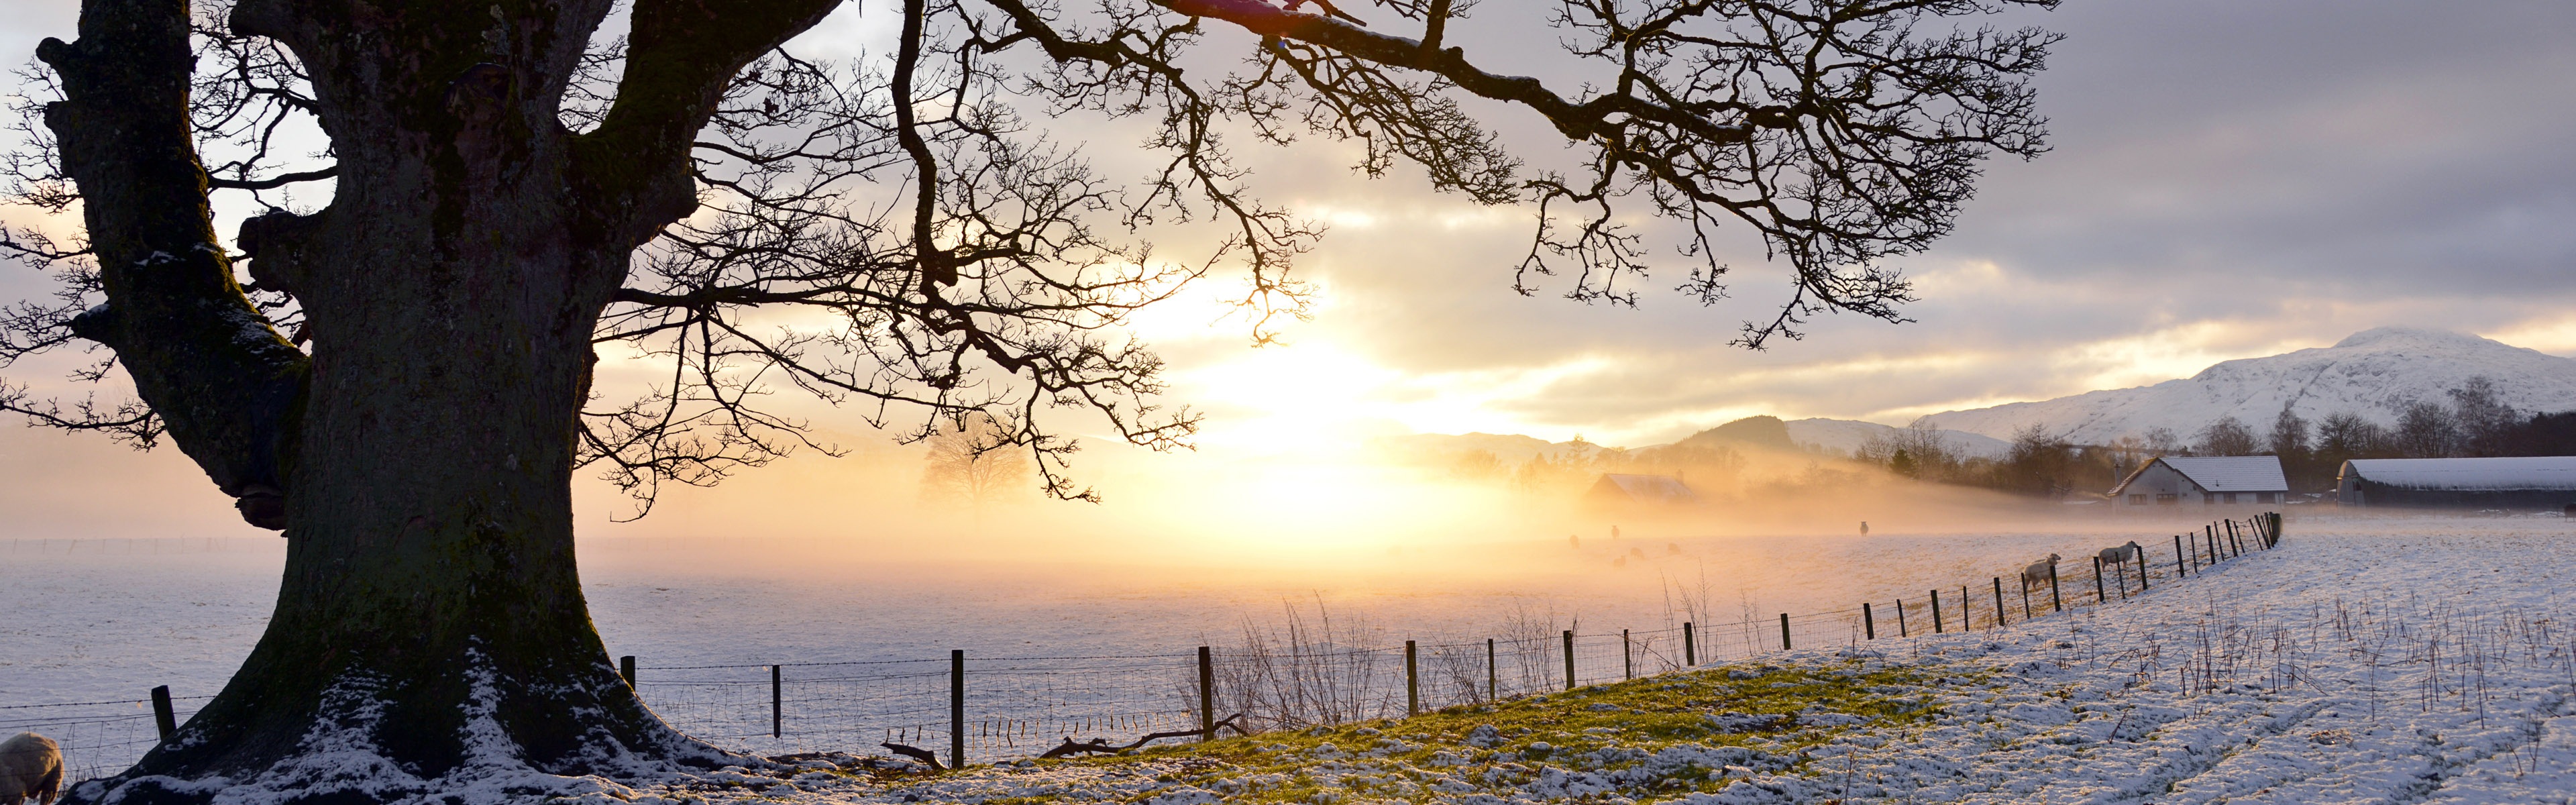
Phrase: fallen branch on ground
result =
(1101, 745)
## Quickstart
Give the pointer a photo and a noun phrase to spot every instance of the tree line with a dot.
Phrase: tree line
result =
(2472, 421)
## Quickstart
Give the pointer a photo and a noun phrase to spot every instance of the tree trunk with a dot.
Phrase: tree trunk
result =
(430, 628)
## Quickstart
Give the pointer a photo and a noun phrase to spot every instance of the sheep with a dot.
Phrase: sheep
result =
(2039, 571)
(2121, 553)
(31, 765)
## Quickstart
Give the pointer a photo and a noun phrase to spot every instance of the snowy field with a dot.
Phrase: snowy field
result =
(2364, 661)
(2353, 664)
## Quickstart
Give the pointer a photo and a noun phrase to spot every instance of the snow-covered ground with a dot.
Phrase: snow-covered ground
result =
(2398, 659)
(2364, 661)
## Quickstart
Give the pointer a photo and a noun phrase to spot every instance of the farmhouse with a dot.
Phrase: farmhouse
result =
(2517, 483)
(2178, 481)
(1623, 489)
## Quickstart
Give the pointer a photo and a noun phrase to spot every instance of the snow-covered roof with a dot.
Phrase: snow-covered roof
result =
(1648, 488)
(2467, 474)
(2221, 473)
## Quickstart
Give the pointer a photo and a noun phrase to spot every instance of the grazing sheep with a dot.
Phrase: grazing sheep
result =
(31, 765)
(2039, 571)
(2122, 553)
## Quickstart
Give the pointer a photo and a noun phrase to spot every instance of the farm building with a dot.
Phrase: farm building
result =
(1623, 489)
(2179, 481)
(2519, 483)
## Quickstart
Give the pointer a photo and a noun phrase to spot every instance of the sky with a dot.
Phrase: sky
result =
(2228, 180)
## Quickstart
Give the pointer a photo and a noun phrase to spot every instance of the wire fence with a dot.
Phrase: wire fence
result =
(966, 709)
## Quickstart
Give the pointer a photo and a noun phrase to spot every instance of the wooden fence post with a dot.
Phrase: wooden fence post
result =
(1569, 659)
(2178, 566)
(957, 708)
(2139, 555)
(777, 705)
(1999, 600)
(1936, 611)
(1900, 618)
(1868, 625)
(1784, 631)
(1412, 682)
(1690, 646)
(163, 716)
(2098, 596)
(2025, 602)
(2055, 601)
(1493, 678)
(1207, 692)
(1967, 610)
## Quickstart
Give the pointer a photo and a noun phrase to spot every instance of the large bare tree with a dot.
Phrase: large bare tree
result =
(402, 378)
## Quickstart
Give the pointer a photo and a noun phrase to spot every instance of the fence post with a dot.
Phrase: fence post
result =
(1967, 610)
(626, 668)
(957, 708)
(1690, 646)
(1412, 682)
(1569, 659)
(1627, 656)
(2178, 568)
(162, 716)
(2055, 600)
(1784, 631)
(1900, 617)
(1936, 611)
(2025, 601)
(1207, 690)
(2098, 596)
(1493, 678)
(1999, 601)
(1868, 626)
(2139, 555)
(777, 706)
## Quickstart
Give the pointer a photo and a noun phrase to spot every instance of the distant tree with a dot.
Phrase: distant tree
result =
(2426, 430)
(2289, 436)
(2545, 435)
(2038, 463)
(972, 461)
(2228, 436)
(2345, 435)
(1933, 456)
(1476, 465)
(1903, 465)
(2161, 441)
(2487, 425)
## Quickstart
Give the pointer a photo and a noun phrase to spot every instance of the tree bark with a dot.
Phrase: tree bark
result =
(431, 622)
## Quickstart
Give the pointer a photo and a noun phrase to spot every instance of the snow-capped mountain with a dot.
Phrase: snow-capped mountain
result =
(2375, 373)
(1845, 435)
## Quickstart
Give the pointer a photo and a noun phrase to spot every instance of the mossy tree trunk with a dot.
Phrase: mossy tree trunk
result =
(419, 460)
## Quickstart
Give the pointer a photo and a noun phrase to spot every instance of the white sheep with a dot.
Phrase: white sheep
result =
(2039, 571)
(2121, 553)
(31, 765)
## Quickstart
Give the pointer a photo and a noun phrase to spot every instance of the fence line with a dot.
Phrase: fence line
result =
(1307, 679)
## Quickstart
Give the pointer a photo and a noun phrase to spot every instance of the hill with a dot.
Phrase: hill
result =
(2374, 373)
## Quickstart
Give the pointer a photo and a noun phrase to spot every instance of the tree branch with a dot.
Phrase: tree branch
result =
(205, 360)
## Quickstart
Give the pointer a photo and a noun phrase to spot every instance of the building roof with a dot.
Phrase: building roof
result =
(2467, 474)
(1644, 488)
(2221, 473)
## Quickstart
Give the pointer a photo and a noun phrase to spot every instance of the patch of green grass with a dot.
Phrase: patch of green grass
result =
(1400, 758)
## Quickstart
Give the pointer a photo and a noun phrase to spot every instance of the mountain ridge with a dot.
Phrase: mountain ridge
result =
(2375, 373)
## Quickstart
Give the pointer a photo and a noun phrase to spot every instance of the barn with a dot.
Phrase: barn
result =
(2542, 482)
(1624, 489)
(2188, 481)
